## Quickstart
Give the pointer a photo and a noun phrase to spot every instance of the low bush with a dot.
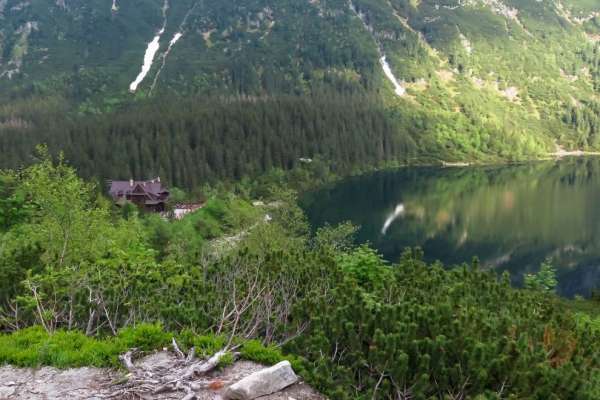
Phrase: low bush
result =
(422, 332)
(34, 347)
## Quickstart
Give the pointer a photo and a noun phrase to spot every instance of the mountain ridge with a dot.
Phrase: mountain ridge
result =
(465, 79)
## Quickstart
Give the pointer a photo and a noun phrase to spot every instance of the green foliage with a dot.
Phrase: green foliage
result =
(205, 345)
(115, 271)
(12, 210)
(33, 347)
(183, 240)
(189, 142)
(221, 215)
(270, 355)
(429, 332)
(544, 280)
(366, 266)
(236, 98)
(145, 337)
(358, 327)
(338, 238)
(65, 221)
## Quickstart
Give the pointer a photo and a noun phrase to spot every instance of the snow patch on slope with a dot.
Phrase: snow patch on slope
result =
(153, 47)
(151, 51)
(387, 70)
(174, 40)
(178, 35)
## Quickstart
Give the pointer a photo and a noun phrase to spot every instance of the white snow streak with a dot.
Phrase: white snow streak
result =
(151, 51)
(387, 70)
(177, 36)
(153, 47)
(174, 40)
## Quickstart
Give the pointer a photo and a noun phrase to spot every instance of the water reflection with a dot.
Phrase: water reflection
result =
(511, 217)
(398, 212)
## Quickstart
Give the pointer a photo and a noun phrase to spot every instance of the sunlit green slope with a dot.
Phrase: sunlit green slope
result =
(469, 79)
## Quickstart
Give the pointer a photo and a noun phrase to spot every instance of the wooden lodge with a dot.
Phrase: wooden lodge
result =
(150, 195)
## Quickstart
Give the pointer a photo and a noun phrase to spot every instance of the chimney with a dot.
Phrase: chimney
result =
(131, 182)
(158, 179)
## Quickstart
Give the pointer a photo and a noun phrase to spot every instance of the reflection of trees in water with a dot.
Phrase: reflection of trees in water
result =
(550, 202)
(512, 217)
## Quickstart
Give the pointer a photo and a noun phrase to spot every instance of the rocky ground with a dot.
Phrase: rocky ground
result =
(96, 384)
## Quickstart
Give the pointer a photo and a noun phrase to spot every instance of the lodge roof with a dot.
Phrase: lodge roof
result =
(151, 189)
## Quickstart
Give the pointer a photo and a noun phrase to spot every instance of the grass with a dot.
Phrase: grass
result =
(34, 347)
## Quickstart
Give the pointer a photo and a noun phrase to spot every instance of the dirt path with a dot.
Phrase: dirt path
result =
(95, 383)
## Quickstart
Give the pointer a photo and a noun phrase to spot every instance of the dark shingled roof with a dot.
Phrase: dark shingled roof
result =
(153, 189)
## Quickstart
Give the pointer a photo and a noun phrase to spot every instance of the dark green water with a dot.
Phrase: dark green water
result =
(511, 217)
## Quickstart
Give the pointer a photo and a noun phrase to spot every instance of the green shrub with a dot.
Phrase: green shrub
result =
(433, 332)
(205, 345)
(33, 347)
(144, 337)
(544, 280)
(268, 355)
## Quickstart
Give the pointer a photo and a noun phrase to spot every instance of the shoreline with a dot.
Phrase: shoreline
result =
(424, 162)
(573, 153)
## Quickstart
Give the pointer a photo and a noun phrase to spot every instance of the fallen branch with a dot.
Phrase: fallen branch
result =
(177, 350)
(191, 356)
(184, 375)
(126, 360)
(204, 367)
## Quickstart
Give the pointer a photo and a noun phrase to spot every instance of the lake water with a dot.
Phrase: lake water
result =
(511, 217)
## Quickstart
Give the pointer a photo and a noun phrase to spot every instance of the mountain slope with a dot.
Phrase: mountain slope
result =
(468, 79)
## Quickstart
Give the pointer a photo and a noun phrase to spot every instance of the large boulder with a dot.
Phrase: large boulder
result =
(262, 383)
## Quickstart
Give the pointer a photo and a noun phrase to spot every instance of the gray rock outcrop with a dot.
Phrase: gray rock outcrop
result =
(262, 383)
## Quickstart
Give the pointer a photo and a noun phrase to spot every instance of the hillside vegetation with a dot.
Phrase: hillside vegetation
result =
(213, 91)
(480, 80)
(91, 279)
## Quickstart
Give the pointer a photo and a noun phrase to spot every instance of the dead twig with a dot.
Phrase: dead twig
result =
(126, 360)
(177, 350)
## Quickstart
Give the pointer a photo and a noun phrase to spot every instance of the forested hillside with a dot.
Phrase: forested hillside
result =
(83, 282)
(224, 95)
(439, 80)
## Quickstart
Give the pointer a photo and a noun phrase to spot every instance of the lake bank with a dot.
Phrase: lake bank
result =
(512, 216)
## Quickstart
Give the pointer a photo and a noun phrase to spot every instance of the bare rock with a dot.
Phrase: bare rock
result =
(52, 384)
(262, 383)
(98, 383)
